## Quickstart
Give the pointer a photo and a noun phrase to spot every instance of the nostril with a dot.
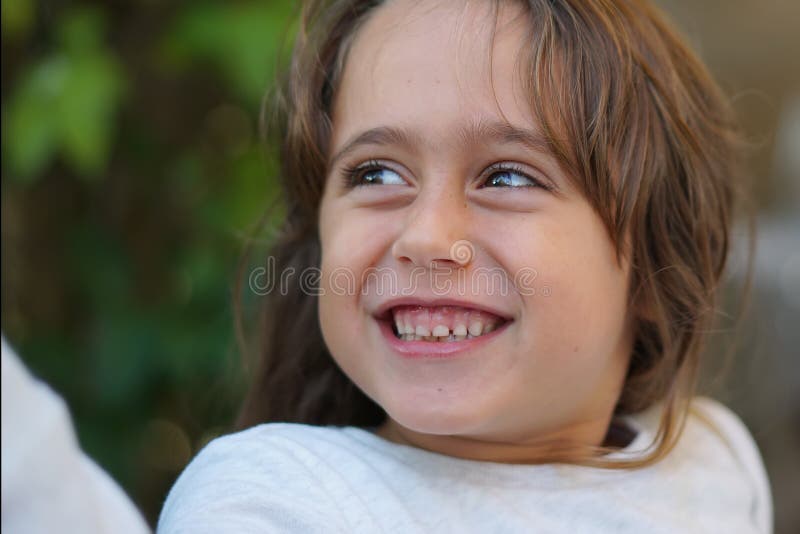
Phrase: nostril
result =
(430, 255)
(439, 264)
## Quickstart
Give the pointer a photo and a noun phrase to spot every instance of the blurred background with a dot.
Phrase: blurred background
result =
(133, 177)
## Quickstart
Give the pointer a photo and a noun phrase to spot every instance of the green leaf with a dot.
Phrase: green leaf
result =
(86, 111)
(241, 40)
(90, 95)
(30, 134)
(65, 104)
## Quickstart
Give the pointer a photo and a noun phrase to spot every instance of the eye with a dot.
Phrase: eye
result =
(371, 173)
(504, 175)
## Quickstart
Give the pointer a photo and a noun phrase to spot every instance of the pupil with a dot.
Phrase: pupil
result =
(501, 179)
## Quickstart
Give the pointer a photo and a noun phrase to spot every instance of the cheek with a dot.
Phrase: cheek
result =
(351, 236)
(579, 305)
(337, 280)
(350, 245)
(339, 319)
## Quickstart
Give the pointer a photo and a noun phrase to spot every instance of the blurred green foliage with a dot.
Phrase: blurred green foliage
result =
(65, 102)
(132, 176)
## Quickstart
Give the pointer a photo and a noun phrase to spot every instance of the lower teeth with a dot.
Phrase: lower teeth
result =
(450, 338)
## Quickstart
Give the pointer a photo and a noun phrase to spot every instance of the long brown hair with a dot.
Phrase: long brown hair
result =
(632, 116)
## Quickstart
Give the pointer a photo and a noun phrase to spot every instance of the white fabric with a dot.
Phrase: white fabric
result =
(283, 477)
(48, 484)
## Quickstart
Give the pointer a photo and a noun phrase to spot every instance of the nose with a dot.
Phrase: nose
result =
(435, 231)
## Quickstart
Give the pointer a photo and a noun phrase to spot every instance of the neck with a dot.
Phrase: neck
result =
(527, 451)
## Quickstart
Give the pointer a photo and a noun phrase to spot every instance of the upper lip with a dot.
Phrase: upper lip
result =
(382, 312)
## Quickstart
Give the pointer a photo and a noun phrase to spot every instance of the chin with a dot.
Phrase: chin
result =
(437, 420)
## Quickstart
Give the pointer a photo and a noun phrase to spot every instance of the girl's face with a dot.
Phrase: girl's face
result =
(448, 153)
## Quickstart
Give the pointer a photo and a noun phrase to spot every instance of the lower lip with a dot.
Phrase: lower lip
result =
(436, 349)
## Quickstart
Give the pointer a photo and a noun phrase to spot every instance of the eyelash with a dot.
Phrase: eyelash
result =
(352, 175)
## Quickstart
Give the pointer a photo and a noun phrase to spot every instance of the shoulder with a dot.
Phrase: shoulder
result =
(717, 424)
(725, 426)
(42, 463)
(715, 473)
(266, 443)
(261, 479)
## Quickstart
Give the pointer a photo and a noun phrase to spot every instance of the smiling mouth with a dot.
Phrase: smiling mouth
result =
(441, 324)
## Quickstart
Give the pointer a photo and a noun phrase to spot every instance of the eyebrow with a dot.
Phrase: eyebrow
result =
(473, 134)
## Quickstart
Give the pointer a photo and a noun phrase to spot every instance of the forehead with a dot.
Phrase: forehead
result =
(433, 67)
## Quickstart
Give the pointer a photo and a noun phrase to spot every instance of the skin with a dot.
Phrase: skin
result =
(557, 371)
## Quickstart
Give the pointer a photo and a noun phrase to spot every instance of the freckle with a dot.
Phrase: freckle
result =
(439, 390)
(575, 349)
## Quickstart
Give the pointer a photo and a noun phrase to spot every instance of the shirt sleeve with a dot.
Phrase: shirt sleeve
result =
(744, 449)
(250, 482)
(48, 483)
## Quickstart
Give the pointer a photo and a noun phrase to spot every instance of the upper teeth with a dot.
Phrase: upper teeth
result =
(442, 322)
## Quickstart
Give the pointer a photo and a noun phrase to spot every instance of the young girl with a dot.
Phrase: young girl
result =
(519, 215)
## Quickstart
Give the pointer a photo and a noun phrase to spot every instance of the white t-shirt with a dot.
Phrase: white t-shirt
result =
(283, 477)
(48, 484)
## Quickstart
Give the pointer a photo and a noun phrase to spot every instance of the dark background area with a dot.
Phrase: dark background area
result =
(133, 177)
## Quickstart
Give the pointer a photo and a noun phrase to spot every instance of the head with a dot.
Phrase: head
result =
(578, 142)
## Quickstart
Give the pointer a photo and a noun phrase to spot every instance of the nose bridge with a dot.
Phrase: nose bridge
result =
(438, 219)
